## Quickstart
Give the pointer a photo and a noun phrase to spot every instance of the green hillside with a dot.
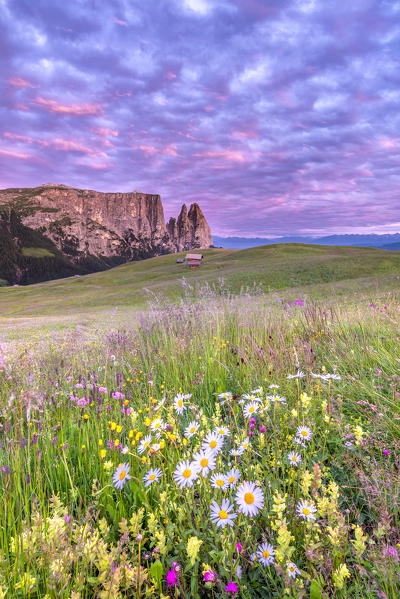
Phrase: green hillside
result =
(313, 270)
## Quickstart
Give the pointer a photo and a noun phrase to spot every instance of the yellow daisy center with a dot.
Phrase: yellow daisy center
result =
(266, 554)
(204, 462)
(249, 498)
(157, 424)
(213, 444)
(294, 459)
(180, 403)
(221, 432)
(223, 515)
(152, 476)
(231, 479)
(192, 429)
(186, 473)
(304, 433)
(146, 443)
(220, 483)
(306, 511)
(291, 568)
(251, 409)
(122, 474)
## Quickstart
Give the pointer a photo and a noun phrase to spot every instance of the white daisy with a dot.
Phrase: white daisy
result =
(152, 476)
(251, 397)
(144, 444)
(155, 447)
(245, 444)
(222, 515)
(250, 409)
(299, 441)
(273, 387)
(185, 474)
(299, 375)
(249, 498)
(160, 404)
(222, 431)
(219, 481)
(121, 475)
(292, 570)
(191, 429)
(232, 477)
(266, 554)
(294, 458)
(257, 391)
(213, 442)
(225, 395)
(306, 510)
(277, 399)
(304, 433)
(205, 461)
(179, 406)
(157, 425)
(236, 452)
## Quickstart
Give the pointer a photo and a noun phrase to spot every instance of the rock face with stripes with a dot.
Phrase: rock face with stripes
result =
(91, 227)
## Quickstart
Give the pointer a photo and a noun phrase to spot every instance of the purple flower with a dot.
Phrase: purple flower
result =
(231, 587)
(171, 578)
(103, 390)
(239, 547)
(385, 452)
(262, 429)
(209, 576)
(67, 518)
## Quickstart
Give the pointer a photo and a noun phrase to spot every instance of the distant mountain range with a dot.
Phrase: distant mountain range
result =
(385, 242)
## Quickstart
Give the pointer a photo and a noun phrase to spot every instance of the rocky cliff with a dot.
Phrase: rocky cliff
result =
(96, 230)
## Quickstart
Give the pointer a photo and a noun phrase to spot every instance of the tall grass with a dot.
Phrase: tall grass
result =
(65, 530)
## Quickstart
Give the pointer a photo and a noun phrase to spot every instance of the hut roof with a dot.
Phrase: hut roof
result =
(194, 256)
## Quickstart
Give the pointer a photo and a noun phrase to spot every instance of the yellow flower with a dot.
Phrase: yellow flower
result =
(119, 428)
(147, 421)
(103, 453)
(100, 442)
(113, 426)
(130, 434)
(85, 416)
(193, 546)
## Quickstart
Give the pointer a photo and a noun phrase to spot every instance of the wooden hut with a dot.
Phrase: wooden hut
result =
(194, 260)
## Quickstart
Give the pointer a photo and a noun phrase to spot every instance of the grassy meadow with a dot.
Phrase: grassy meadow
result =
(204, 438)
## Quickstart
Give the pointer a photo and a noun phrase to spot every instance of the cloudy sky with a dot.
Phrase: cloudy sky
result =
(276, 116)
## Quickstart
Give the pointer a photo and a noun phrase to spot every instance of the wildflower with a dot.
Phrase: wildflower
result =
(144, 443)
(103, 453)
(171, 578)
(157, 425)
(191, 429)
(265, 554)
(225, 395)
(213, 442)
(231, 587)
(219, 481)
(232, 477)
(294, 458)
(193, 547)
(306, 510)
(299, 375)
(249, 498)
(152, 476)
(236, 452)
(186, 473)
(239, 547)
(244, 444)
(221, 430)
(358, 433)
(222, 515)
(209, 576)
(121, 475)
(239, 572)
(292, 570)
(304, 433)
(359, 543)
(339, 576)
(277, 399)
(179, 406)
(250, 409)
(205, 461)
(257, 391)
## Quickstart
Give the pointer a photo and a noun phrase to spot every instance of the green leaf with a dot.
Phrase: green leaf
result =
(156, 571)
(315, 590)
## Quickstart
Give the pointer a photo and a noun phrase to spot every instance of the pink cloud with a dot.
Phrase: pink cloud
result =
(104, 132)
(71, 109)
(16, 155)
(64, 145)
(226, 154)
(19, 82)
(120, 22)
(147, 149)
(171, 75)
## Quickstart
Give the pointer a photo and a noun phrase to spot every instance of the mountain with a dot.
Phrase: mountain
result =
(372, 240)
(391, 246)
(54, 230)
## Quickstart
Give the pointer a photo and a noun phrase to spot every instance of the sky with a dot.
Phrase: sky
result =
(278, 117)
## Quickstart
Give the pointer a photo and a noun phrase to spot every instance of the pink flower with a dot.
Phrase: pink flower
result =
(262, 429)
(171, 578)
(231, 587)
(239, 547)
(209, 576)
(103, 390)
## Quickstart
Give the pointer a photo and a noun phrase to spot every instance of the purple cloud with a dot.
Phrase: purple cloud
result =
(277, 117)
